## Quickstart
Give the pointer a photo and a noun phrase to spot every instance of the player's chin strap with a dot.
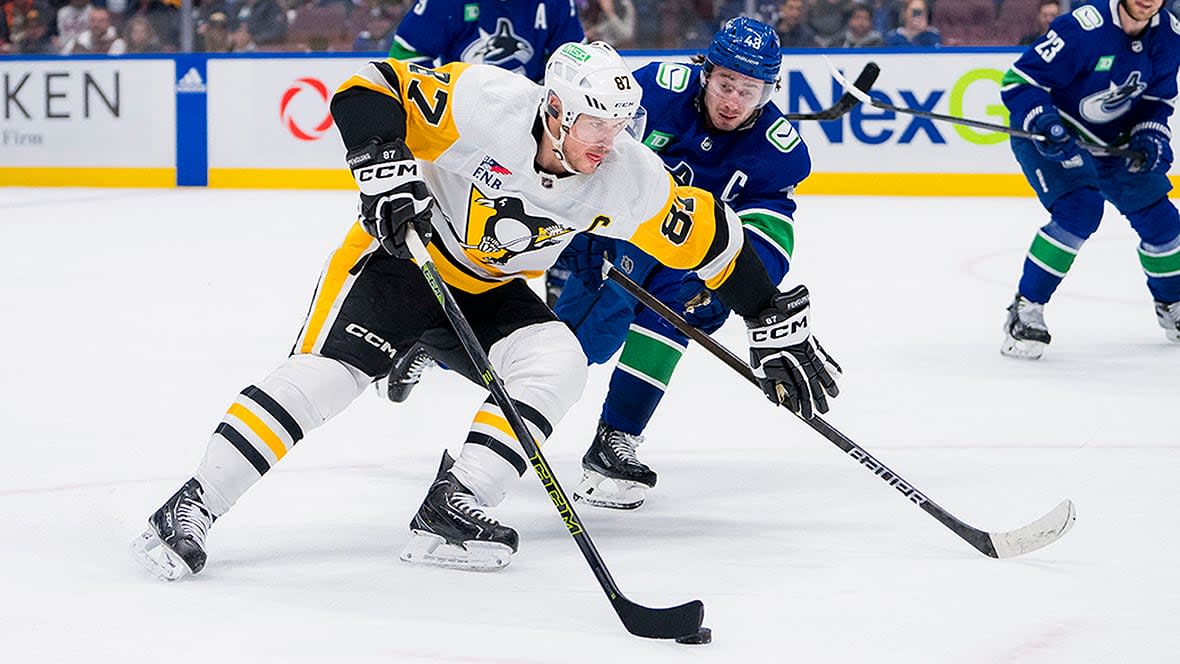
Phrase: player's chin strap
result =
(558, 141)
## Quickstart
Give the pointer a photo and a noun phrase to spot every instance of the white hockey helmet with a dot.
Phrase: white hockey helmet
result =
(590, 79)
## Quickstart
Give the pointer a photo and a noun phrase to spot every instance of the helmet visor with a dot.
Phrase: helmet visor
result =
(591, 130)
(732, 88)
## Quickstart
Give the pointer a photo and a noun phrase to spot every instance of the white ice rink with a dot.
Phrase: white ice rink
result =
(131, 319)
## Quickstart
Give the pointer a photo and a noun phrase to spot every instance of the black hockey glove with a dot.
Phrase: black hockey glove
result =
(1059, 144)
(394, 198)
(1154, 141)
(792, 367)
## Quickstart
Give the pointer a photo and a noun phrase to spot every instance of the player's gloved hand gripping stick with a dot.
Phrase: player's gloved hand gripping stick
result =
(1040, 533)
(679, 622)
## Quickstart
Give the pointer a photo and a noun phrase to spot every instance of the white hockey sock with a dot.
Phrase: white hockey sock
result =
(544, 371)
(267, 419)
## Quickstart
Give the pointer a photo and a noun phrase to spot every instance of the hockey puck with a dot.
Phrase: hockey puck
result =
(704, 635)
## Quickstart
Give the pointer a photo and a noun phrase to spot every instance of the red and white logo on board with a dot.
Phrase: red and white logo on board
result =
(304, 109)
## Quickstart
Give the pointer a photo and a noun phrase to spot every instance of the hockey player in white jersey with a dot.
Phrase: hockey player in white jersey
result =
(496, 174)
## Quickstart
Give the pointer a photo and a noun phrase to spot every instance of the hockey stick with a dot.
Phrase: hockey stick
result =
(1101, 150)
(674, 622)
(1042, 532)
(846, 102)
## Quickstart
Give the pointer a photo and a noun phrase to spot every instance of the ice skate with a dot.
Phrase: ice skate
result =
(1168, 316)
(174, 544)
(407, 371)
(452, 530)
(1026, 336)
(613, 477)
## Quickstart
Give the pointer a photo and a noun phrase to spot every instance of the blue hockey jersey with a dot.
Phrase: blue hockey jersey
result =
(1102, 81)
(753, 170)
(517, 35)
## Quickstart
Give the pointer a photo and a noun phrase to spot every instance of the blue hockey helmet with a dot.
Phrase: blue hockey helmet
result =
(748, 47)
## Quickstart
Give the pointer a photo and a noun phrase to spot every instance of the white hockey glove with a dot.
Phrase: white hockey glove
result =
(792, 367)
(394, 198)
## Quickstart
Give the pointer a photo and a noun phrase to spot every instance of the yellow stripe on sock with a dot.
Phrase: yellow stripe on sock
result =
(260, 429)
(495, 421)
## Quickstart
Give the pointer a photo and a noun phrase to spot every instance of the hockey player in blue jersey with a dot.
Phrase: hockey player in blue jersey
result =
(1104, 74)
(712, 125)
(517, 35)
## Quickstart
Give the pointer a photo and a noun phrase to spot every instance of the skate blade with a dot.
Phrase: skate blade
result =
(157, 558)
(1022, 348)
(430, 549)
(598, 490)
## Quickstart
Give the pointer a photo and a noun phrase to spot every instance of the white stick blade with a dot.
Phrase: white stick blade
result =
(1040, 533)
(855, 92)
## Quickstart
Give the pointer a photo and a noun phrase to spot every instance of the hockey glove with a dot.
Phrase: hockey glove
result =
(793, 369)
(1154, 142)
(1059, 144)
(702, 309)
(394, 197)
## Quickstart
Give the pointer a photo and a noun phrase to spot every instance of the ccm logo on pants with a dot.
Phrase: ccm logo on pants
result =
(371, 339)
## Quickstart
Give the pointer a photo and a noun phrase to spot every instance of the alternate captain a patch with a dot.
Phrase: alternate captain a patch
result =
(500, 228)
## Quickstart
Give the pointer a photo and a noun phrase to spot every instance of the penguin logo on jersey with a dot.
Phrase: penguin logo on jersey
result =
(499, 229)
(499, 47)
(1113, 102)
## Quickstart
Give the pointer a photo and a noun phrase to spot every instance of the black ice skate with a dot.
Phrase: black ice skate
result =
(1026, 336)
(174, 544)
(452, 530)
(613, 476)
(1169, 317)
(407, 371)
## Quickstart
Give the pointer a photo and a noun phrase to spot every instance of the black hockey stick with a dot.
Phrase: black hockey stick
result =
(1035, 535)
(1135, 156)
(674, 622)
(846, 102)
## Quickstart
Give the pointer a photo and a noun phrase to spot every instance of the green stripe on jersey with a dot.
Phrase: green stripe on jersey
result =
(1160, 265)
(651, 357)
(1011, 77)
(399, 51)
(776, 227)
(1051, 254)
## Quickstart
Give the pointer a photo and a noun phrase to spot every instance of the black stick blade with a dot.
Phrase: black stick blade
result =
(868, 76)
(669, 623)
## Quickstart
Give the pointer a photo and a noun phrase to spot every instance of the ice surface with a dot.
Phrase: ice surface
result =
(132, 318)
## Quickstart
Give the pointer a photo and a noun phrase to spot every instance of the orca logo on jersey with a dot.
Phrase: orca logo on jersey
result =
(498, 47)
(500, 229)
(307, 106)
(1113, 102)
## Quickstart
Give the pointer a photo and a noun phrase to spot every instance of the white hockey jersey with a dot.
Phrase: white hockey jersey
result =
(499, 218)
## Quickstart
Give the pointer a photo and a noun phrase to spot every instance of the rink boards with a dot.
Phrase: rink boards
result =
(263, 121)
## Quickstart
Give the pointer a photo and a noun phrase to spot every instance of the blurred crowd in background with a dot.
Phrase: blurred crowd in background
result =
(223, 26)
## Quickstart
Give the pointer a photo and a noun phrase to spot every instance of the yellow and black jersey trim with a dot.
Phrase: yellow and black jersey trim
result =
(425, 94)
(690, 233)
(459, 276)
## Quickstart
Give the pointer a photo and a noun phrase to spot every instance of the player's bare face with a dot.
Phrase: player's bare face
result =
(589, 140)
(731, 98)
(1140, 11)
